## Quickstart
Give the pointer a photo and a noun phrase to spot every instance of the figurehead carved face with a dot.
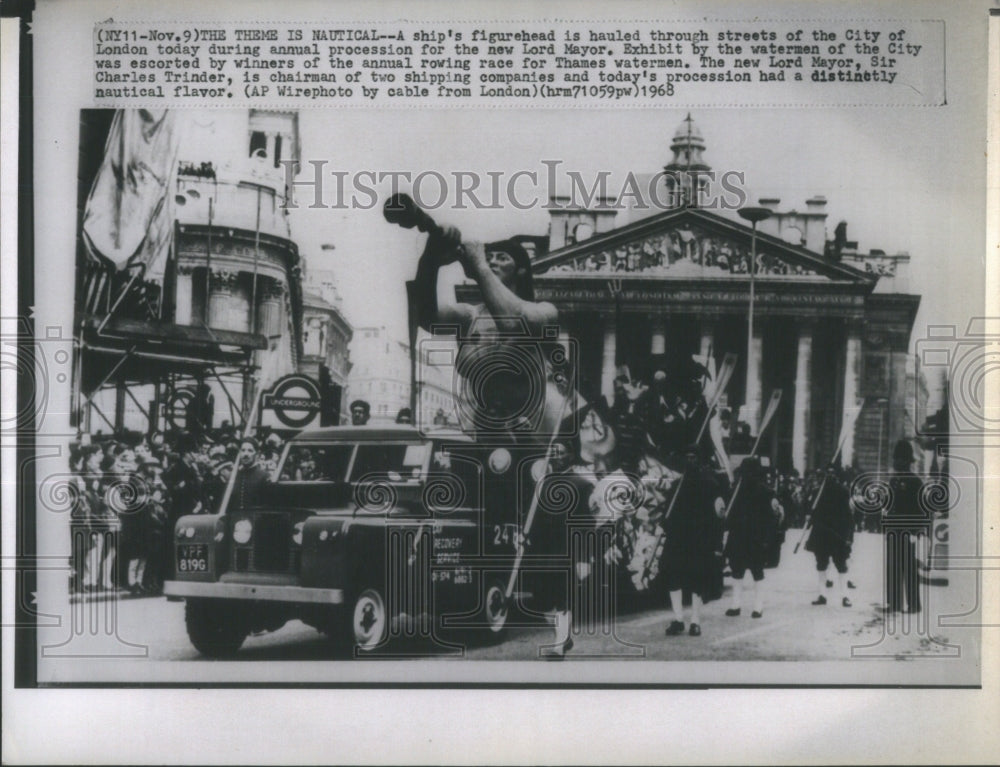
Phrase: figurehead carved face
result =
(503, 265)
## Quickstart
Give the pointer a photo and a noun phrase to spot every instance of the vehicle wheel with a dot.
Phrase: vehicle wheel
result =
(475, 625)
(495, 609)
(214, 629)
(369, 620)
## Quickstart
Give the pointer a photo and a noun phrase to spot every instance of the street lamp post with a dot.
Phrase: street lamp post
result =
(882, 402)
(753, 215)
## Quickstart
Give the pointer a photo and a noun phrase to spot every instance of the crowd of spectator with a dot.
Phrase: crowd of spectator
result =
(130, 488)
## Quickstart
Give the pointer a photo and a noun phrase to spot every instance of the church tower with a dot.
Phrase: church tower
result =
(685, 185)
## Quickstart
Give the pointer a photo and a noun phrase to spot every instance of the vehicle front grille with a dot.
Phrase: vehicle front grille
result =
(270, 548)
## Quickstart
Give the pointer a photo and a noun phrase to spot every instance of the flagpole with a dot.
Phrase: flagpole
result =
(753, 215)
(208, 263)
(256, 256)
(248, 426)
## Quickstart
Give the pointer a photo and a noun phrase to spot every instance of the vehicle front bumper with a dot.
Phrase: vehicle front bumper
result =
(256, 592)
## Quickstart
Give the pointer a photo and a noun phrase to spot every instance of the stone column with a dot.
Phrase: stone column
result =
(228, 308)
(183, 296)
(707, 345)
(803, 386)
(269, 145)
(269, 293)
(852, 389)
(754, 394)
(608, 358)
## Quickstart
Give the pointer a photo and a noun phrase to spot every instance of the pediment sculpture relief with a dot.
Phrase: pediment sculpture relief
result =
(677, 252)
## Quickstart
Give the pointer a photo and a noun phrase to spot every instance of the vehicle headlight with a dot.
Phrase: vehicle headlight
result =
(242, 531)
(297, 534)
(499, 460)
(538, 469)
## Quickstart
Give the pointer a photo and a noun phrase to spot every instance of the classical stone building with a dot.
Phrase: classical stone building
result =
(831, 325)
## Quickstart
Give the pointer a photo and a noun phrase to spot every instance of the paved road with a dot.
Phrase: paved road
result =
(791, 628)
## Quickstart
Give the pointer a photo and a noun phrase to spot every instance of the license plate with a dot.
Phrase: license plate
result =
(192, 558)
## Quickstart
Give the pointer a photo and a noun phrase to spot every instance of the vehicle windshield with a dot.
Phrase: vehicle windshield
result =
(316, 463)
(396, 462)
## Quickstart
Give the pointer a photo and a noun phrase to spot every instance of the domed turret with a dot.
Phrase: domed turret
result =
(683, 171)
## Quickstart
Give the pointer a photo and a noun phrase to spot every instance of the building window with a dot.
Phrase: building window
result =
(258, 142)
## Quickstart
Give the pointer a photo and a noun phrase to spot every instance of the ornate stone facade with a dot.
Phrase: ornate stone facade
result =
(680, 252)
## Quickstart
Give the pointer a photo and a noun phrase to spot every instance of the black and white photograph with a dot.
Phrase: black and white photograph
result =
(638, 351)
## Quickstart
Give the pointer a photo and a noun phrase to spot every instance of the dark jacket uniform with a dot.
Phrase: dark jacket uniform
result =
(832, 531)
(903, 522)
(693, 535)
(185, 487)
(547, 566)
(752, 525)
(904, 509)
(246, 491)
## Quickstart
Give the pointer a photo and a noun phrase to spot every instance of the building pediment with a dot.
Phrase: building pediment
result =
(692, 243)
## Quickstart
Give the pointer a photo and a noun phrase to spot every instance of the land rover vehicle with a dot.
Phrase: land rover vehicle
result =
(359, 526)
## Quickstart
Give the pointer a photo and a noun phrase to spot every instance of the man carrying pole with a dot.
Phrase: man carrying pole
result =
(754, 516)
(692, 534)
(846, 429)
(832, 534)
(728, 365)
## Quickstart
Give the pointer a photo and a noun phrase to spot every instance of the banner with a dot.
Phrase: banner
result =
(129, 215)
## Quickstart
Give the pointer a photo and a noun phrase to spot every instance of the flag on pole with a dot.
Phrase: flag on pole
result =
(128, 218)
(850, 418)
(709, 386)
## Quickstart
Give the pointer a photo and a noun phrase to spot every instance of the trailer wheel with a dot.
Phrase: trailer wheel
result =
(214, 628)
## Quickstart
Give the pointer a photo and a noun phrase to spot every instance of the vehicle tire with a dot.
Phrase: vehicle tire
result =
(215, 629)
(485, 624)
(495, 605)
(369, 619)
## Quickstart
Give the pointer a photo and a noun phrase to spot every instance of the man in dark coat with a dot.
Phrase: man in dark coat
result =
(752, 523)
(832, 534)
(184, 485)
(693, 533)
(183, 480)
(549, 572)
(250, 478)
(903, 522)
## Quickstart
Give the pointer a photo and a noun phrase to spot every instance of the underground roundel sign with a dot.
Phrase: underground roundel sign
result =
(294, 400)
